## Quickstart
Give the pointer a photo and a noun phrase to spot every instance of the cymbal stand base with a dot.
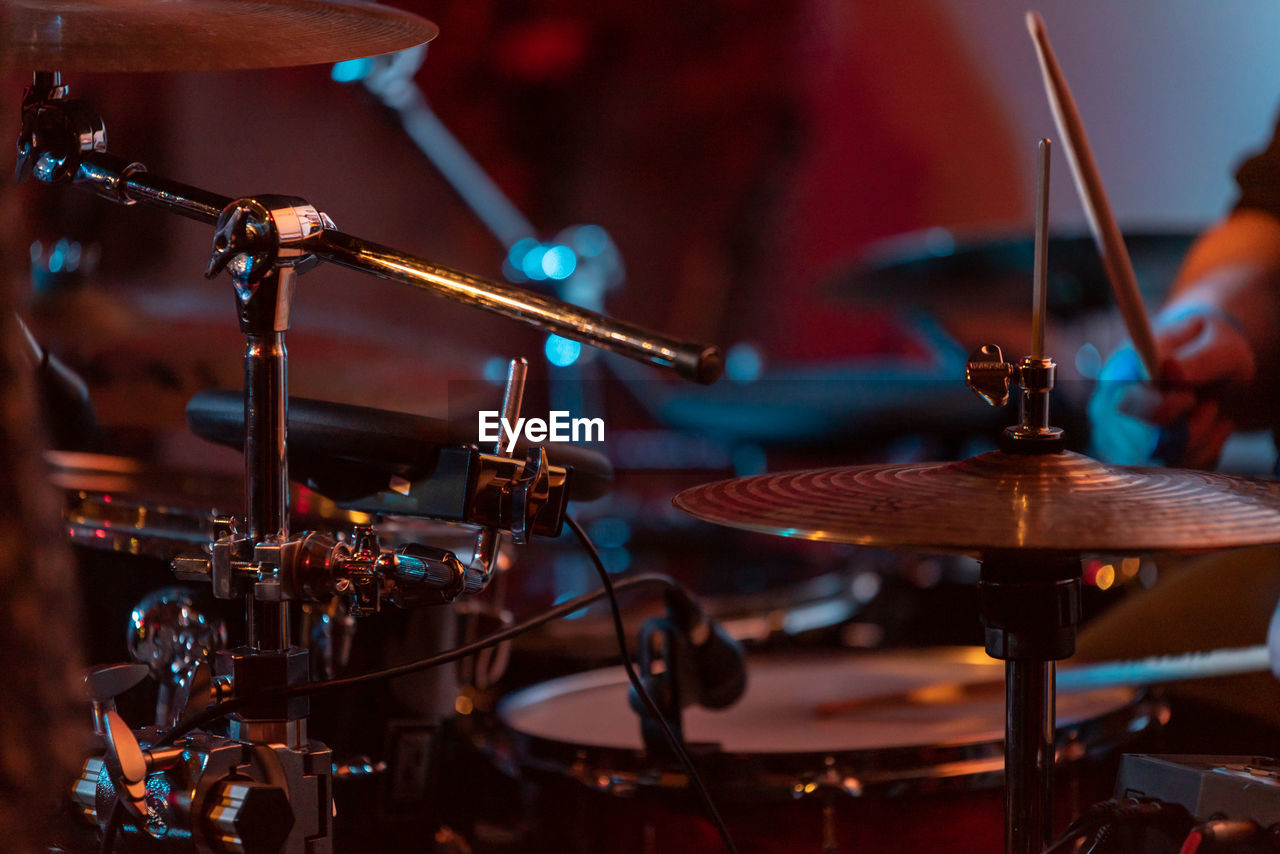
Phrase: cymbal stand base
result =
(1030, 606)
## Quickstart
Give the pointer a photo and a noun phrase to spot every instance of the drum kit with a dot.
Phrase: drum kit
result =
(230, 764)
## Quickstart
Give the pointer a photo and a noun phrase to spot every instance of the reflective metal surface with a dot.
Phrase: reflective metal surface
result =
(169, 633)
(198, 35)
(702, 363)
(1063, 502)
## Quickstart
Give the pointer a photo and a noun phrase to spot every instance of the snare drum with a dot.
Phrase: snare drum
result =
(880, 779)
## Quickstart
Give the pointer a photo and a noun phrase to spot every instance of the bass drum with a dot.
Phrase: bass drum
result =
(885, 778)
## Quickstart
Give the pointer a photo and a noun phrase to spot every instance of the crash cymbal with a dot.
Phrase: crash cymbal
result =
(1062, 502)
(198, 35)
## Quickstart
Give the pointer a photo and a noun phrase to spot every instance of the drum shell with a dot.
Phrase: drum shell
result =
(934, 796)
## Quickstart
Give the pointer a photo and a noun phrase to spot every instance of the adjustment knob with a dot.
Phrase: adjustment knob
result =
(987, 374)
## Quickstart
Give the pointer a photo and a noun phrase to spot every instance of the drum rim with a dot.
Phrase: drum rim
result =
(886, 772)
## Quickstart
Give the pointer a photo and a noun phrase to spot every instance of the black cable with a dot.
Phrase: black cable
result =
(609, 590)
(212, 713)
(112, 829)
(218, 710)
(676, 746)
(1098, 825)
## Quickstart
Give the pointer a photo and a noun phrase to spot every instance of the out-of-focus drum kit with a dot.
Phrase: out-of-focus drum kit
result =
(370, 518)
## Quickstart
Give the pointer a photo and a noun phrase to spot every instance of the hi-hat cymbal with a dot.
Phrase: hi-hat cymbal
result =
(198, 35)
(996, 501)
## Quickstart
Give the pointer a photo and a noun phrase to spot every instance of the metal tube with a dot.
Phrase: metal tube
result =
(266, 464)
(702, 363)
(266, 469)
(264, 317)
(1040, 281)
(130, 182)
(698, 362)
(486, 548)
(1028, 756)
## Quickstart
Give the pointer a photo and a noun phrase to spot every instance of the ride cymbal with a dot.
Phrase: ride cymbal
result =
(198, 35)
(1062, 502)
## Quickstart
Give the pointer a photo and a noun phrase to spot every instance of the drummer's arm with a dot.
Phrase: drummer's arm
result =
(1234, 269)
(1218, 338)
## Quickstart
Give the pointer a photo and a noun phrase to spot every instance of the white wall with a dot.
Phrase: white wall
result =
(1172, 93)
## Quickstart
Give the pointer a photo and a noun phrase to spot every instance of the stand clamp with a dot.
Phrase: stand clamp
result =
(257, 235)
(988, 375)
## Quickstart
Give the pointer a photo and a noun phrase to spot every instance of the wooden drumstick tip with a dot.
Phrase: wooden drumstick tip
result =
(1035, 24)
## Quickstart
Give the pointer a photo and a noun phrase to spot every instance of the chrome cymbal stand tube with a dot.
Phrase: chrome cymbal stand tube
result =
(1030, 602)
(266, 783)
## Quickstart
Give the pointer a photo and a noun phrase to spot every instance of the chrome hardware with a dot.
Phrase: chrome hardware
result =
(487, 540)
(987, 374)
(527, 493)
(56, 131)
(170, 635)
(364, 575)
(257, 235)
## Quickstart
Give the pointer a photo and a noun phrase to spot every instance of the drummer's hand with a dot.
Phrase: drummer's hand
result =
(1176, 420)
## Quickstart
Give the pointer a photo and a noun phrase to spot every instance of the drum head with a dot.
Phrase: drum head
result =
(778, 713)
(583, 725)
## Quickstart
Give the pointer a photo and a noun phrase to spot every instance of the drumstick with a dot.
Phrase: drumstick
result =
(1087, 677)
(1106, 234)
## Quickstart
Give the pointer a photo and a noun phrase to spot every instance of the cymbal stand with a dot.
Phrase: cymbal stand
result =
(63, 141)
(266, 776)
(1029, 601)
(1030, 605)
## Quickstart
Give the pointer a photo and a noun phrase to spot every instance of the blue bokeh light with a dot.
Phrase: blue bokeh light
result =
(495, 370)
(749, 460)
(558, 262)
(562, 352)
(615, 560)
(1088, 361)
(352, 70)
(590, 240)
(743, 363)
(610, 532)
(531, 263)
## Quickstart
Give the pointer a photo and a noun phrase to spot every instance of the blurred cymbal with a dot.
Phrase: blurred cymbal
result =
(144, 354)
(198, 35)
(943, 269)
(996, 501)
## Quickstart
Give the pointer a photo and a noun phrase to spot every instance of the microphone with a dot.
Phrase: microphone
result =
(717, 660)
(685, 658)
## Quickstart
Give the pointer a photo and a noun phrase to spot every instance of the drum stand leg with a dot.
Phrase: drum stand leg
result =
(1030, 607)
